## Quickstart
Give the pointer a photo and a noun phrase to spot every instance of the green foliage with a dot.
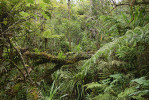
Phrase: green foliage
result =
(37, 50)
(61, 55)
(48, 34)
(46, 1)
(24, 14)
(126, 92)
(134, 91)
(127, 52)
(46, 14)
(105, 96)
(116, 76)
(141, 81)
(139, 94)
(106, 50)
(93, 85)
(53, 91)
(119, 38)
(125, 17)
(30, 1)
(77, 48)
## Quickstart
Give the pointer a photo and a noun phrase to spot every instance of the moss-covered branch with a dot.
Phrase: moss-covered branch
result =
(41, 58)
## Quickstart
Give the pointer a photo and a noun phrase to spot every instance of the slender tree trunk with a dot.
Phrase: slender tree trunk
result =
(1, 46)
(1, 30)
(91, 6)
(68, 9)
(97, 40)
(46, 41)
(69, 38)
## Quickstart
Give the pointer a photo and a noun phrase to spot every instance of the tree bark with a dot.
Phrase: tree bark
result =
(1, 46)
(69, 38)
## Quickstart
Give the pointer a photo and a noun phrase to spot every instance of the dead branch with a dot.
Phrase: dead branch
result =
(23, 62)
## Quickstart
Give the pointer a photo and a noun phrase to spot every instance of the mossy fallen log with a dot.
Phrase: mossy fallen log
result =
(42, 57)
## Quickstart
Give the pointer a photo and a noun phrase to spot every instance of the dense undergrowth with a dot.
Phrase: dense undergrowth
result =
(40, 42)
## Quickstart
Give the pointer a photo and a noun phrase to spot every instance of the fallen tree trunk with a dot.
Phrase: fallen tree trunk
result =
(42, 58)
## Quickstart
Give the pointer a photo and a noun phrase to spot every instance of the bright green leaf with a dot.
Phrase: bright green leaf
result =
(48, 14)
(47, 33)
(24, 14)
(4, 22)
(45, 15)
(93, 85)
(43, 6)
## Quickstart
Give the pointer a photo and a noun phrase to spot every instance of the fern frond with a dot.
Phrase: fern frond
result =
(93, 85)
(107, 49)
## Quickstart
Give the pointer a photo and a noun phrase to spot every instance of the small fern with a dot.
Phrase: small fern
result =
(93, 85)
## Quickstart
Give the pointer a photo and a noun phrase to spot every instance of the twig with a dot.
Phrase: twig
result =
(10, 27)
(127, 4)
(14, 6)
(115, 6)
(113, 2)
(17, 68)
(32, 31)
(23, 62)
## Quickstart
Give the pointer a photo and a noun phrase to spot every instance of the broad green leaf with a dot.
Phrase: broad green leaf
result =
(28, 5)
(24, 14)
(43, 6)
(45, 15)
(48, 14)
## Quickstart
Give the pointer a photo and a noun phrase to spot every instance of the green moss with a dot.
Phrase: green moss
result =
(16, 87)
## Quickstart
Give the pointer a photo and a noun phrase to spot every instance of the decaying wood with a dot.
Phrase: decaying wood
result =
(41, 58)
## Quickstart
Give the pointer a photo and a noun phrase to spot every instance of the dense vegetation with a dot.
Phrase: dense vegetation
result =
(74, 50)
